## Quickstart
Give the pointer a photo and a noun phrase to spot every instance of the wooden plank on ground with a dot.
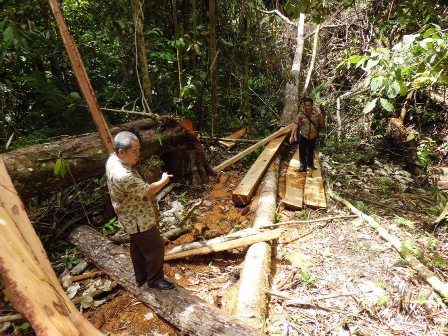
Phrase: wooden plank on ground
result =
(228, 245)
(239, 156)
(246, 189)
(295, 182)
(237, 135)
(314, 193)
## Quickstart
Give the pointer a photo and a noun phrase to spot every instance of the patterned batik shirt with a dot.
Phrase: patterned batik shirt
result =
(306, 127)
(128, 194)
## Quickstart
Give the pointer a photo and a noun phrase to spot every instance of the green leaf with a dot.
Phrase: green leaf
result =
(370, 106)
(394, 89)
(371, 63)
(376, 83)
(57, 167)
(354, 59)
(387, 105)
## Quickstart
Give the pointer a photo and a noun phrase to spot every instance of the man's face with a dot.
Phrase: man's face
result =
(308, 106)
(131, 155)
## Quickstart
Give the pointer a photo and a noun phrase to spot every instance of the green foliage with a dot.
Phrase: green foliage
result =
(407, 247)
(404, 222)
(183, 198)
(277, 217)
(60, 168)
(425, 150)
(111, 226)
(69, 259)
(417, 62)
(306, 276)
(360, 205)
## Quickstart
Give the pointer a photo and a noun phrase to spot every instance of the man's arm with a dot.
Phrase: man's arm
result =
(293, 135)
(156, 186)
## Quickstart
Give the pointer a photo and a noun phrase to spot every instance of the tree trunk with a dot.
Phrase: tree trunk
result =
(177, 306)
(247, 43)
(140, 55)
(251, 303)
(313, 60)
(214, 65)
(296, 64)
(31, 168)
(26, 272)
(177, 36)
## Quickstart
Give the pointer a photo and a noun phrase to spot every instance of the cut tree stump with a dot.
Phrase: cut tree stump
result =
(247, 151)
(251, 303)
(26, 273)
(247, 187)
(314, 193)
(188, 313)
(295, 182)
(237, 135)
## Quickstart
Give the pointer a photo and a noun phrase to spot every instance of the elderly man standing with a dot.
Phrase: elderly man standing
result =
(308, 123)
(132, 200)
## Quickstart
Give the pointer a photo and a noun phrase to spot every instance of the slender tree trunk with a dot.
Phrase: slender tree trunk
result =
(177, 35)
(194, 33)
(246, 105)
(140, 55)
(214, 65)
(296, 65)
(313, 60)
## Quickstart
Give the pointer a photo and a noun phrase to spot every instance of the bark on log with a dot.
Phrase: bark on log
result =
(26, 272)
(251, 303)
(31, 168)
(177, 306)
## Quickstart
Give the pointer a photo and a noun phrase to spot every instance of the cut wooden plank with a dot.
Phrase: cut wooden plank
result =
(236, 135)
(314, 194)
(239, 156)
(265, 236)
(188, 313)
(246, 189)
(295, 182)
(26, 274)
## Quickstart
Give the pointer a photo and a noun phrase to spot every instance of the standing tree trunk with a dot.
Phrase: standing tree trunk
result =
(313, 60)
(140, 55)
(296, 64)
(30, 282)
(177, 35)
(214, 65)
(246, 105)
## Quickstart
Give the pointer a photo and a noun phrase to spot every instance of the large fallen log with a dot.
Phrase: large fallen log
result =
(30, 282)
(188, 313)
(251, 302)
(32, 168)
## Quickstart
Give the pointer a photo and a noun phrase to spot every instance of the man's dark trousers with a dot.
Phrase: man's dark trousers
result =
(306, 148)
(147, 254)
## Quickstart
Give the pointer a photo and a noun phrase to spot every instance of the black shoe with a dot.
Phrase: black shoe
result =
(313, 168)
(161, 284)
(302, 169)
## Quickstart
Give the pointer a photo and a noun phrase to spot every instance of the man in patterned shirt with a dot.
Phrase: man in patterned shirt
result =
(132, 200)
(309, 123)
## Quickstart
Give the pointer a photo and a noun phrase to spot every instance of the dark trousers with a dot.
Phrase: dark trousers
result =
(306, 148)
(147, 253)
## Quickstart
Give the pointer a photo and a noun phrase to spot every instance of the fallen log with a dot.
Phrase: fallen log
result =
(235, 135)
(251, 302)
(188, 313)
(194, 245)
(228, 245)
(27, 274)
(32, 168)
(424, 272)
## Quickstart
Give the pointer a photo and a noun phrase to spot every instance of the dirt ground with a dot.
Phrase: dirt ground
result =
(328, 278)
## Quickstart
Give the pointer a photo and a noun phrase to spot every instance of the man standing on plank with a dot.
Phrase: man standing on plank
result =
(308, 124)
(133, 202)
